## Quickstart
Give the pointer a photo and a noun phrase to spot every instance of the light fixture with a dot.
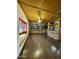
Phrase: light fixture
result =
(39, 15)
(39, 21)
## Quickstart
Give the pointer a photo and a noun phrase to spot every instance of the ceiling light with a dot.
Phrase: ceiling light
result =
(39, 15)
(39, 21)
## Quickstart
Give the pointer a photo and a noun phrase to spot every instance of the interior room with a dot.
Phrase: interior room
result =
(38, 29)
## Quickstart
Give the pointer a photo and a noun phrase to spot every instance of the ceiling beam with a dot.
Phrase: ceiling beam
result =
(56, 14)
(36, 7)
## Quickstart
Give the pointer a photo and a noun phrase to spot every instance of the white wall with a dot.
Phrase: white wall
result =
(20, 14)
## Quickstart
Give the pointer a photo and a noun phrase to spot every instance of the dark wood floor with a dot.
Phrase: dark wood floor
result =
(40, 46)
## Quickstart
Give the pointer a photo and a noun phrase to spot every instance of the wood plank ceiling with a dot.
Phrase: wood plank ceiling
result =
(50, 9)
